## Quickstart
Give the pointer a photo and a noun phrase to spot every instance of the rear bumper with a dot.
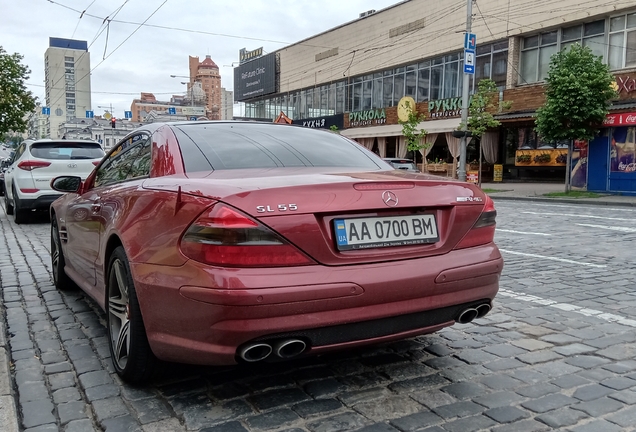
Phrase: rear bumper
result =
(43, 202)
(199, 314)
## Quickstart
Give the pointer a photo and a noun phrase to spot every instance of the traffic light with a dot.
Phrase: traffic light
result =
(113, 121)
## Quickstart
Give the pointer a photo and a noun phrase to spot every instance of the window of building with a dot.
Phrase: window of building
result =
(66, 58)
(492, 63)
(622, 41)
(537, 49)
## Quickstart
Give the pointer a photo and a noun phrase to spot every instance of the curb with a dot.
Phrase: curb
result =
(587, 201)
(8, 410)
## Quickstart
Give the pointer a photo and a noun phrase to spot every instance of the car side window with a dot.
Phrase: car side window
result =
(119, 164)
(18, 152)
(141, 165)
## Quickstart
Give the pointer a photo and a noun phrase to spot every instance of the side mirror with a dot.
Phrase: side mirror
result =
(66, 184)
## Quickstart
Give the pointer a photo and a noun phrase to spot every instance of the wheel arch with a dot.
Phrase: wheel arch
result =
(113, 243)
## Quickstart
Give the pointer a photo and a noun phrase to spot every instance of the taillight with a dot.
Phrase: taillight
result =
(483, 232)
(30, 165)
(224, 236)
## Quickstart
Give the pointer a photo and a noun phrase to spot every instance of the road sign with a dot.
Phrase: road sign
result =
(128, 114)
(90, 114)
(469, 62)
(470, 41)
(193, 118)
(46, 110)
(172, 110)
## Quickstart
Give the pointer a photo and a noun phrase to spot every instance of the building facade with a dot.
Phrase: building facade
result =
(227, 104)
(358, 73)
(190, 107)
(97, 129)
(67, 68)
(207, 73)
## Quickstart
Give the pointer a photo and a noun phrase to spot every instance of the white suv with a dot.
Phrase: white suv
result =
(33, 166)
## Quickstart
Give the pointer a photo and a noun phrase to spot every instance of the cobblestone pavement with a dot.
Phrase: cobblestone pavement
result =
(557, 351)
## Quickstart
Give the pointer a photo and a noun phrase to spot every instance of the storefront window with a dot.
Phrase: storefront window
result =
(436, 82)
(623, 150)
(387, 88)
(367, 92)
(398, 85)
(340, 97)
(376, 101)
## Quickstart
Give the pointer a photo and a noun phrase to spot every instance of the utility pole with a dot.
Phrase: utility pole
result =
(465, 96)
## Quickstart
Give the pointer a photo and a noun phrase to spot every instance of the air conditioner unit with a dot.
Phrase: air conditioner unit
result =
(367, 13)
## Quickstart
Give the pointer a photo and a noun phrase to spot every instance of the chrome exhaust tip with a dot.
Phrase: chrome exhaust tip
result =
(467, 316)
(483, 309)
(289, 348)
(255, 352)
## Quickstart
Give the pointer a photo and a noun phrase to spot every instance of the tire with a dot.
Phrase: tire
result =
(60, 279)
(130, 351)
(19, 214)
(7, 205)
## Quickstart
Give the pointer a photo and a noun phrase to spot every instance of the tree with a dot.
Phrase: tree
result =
(15, 100)
(579, 88)
(481, 108)
(410, 129)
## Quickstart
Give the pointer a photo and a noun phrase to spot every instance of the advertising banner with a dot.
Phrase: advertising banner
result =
(255, 78)
(578, 174)
(623, 150)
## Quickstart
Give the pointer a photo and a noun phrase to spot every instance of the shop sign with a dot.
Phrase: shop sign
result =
(322, 122)
(451, 107)
(626, 84)
(367, 118)
(620, 119)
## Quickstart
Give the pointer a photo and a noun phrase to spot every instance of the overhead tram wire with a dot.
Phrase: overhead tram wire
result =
(99, 32)
(368, 54)
(188, 30)
(116, 48)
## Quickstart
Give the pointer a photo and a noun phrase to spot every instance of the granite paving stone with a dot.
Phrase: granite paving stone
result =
(562, 417)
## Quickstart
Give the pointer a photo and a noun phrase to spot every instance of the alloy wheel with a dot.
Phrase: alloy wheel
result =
(119, 314)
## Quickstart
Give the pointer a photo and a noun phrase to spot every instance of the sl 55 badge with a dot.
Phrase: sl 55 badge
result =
(279, 207)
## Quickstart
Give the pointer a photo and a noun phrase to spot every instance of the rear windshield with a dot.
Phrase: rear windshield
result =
(252, 145)
(57, 150)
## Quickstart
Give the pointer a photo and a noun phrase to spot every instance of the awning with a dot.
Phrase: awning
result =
(431, 126)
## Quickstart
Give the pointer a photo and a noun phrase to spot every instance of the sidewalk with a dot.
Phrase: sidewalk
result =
(536, 191)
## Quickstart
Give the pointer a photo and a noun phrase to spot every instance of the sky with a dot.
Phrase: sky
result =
(128, 58)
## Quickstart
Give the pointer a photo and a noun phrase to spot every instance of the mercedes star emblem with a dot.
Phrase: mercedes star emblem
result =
(390, 199)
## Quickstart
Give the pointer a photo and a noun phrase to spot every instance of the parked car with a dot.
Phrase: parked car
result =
(4, 164)
(33, 166)
(403, 164)
(222, 242)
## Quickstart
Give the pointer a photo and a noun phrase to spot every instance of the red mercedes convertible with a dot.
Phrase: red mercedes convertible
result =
(222, 242)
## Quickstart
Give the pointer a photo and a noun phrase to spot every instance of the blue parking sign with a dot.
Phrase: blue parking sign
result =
(470, 41)
(172, 110)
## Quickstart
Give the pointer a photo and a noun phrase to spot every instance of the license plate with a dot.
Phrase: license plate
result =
(377, 232)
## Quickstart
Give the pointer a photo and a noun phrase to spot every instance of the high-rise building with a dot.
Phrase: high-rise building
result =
(227, 104)
(67, 67)
(207, 73)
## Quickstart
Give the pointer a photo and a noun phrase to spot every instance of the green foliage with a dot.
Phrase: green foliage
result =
(579, 88)
(333, 128)
(15, 100)
(411, 132)
(480, 117)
